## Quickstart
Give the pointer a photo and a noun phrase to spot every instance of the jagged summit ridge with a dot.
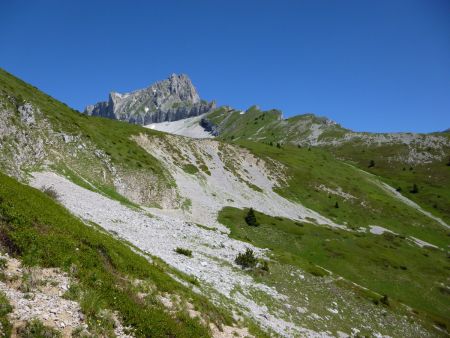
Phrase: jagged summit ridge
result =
(169, 100)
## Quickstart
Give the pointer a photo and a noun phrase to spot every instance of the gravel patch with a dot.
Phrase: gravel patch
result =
(213, 251)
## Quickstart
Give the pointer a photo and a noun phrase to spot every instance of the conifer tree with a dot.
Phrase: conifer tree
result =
(250, 218)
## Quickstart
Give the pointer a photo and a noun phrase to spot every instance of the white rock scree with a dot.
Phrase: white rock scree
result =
(213, 252)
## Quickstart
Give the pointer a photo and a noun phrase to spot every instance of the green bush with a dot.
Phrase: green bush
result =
(250, 218)
(3, 263)
(51, 192)
(190, 169)
(415, 189)
(73, 293)
(35, 328)
(385, 300)
(246, 259)
(185, 252)
(5, 309)
(264, 265)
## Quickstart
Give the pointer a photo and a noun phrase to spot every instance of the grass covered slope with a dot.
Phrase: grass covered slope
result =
(234, 124)
(401, 159)
(386, 264)
(345, 194)
(109, 275)
(432, 177)
(101, 152)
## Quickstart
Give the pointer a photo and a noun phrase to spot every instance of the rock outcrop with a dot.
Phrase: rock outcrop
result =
(210, 127)
(169, 100)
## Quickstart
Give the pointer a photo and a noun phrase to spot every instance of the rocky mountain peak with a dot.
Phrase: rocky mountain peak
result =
(169, 100)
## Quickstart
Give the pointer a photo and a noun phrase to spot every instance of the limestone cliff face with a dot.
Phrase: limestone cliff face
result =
(169, 100)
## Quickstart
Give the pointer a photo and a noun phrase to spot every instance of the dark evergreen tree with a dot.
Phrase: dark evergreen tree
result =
(336, 205)
(250, 218)
(415, 189)
(246, 259)
(372, 164)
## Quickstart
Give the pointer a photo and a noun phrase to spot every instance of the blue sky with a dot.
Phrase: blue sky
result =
(369, 65)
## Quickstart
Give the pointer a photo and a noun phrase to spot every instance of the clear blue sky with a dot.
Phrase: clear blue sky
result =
(370, 65)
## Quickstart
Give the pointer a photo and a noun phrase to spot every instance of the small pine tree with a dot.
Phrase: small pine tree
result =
(448, 163)
(336, 205)
(246, 259)
(278, 145)
(415, 189)
(250, 218)
(372, 164)
(271, 143)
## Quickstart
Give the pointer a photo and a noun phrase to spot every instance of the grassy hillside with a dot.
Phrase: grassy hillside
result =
(385, 264)
(269, 126)
(36, 229)
(432, 178)
(319, 181)
(111, 137)
(234, 124)
(398, 162)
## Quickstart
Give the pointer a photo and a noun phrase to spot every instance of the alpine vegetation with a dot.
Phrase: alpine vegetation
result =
(158, 214)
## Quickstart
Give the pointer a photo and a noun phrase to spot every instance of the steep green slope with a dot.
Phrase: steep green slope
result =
(108, 274)
(319, 181)
(233, 124)
(400, 159)
(431, 177)
(386, 264)
(97, 150)
(270, 127)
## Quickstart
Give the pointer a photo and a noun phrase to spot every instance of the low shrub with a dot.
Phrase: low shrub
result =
(385, 300)
(246, 259)
(51, 192)
(5, 309)
(36, 328)
(185, 252)
(190, 169)
(415, 189)
(264, 265)
(3, 263)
